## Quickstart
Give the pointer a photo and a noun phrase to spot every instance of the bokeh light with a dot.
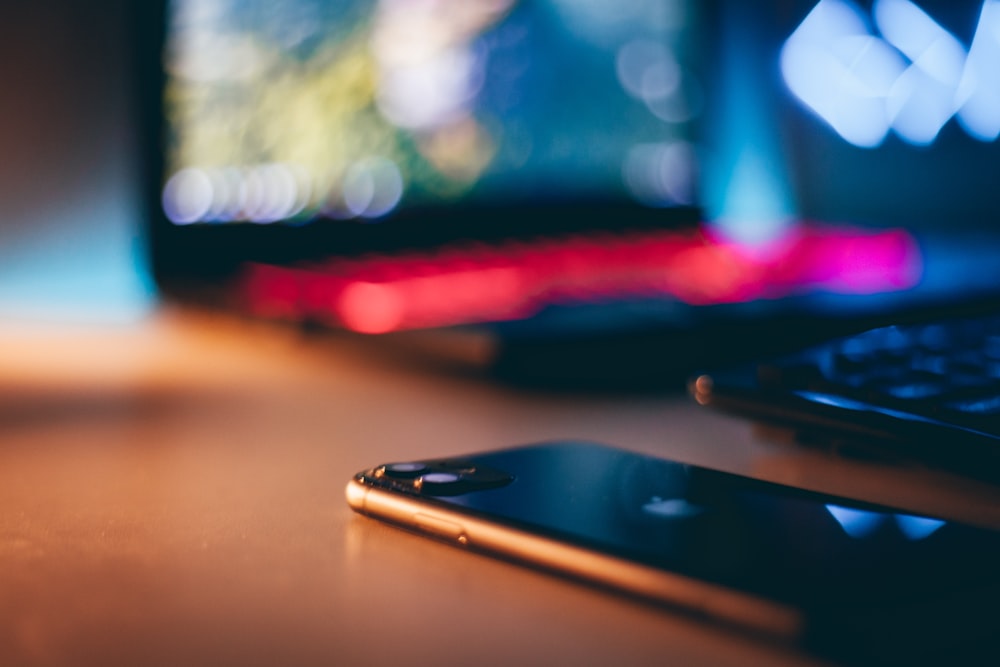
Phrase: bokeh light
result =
(188, 196)
(661, 174)
(912, 77)
(372, 187)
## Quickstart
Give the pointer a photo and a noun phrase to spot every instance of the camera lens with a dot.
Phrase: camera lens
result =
(404, 470)
(440, 478)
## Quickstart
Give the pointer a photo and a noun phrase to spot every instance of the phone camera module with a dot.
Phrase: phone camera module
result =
(445, 477)
(404, 470)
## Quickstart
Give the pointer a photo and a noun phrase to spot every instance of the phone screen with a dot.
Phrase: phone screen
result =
(726, 528)
(852, 567)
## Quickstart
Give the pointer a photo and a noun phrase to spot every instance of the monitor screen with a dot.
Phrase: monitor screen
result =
(348, 111)
(839, 152)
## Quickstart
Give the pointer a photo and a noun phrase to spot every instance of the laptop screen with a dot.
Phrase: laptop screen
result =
(335, 112)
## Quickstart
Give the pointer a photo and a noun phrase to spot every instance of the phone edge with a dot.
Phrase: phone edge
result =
(755, 614)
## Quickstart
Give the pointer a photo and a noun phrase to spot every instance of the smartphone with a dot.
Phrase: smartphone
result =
(844, 578)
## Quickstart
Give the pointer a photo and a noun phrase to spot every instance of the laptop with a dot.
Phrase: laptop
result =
(617, 193)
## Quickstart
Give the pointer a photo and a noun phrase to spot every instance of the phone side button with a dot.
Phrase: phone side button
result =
(440, 528)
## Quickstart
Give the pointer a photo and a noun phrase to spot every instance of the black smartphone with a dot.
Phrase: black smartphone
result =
(843, 578)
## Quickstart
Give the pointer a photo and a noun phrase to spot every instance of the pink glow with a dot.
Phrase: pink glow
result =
(371, 308)
(479, 283)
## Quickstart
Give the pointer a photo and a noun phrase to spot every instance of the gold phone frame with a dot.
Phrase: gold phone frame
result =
(753, 613)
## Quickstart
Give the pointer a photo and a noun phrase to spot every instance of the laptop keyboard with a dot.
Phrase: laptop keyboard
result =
(947, 371)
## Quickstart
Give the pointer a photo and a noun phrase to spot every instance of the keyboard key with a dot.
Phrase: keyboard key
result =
(989, 405)
(917, 390)
(935, 370)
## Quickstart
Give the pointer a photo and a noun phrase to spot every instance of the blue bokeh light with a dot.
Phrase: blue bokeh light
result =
(898, 70)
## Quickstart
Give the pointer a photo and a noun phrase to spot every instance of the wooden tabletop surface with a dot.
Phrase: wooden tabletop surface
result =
(171, 493)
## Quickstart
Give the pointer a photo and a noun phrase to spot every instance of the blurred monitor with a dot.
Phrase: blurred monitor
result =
(575, 167)
(376, 124)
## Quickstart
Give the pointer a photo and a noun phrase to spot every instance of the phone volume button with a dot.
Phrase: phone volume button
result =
(440, 527)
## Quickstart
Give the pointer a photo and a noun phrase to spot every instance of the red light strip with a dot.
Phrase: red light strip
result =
(479, 283)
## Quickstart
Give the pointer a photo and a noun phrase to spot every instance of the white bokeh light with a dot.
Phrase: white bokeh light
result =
(979, 91)
(188, 196)
(912, 77)
(262, 193)
(842, 72)
(372, 187)
(923, 98)
(660, 174)
(432, 92)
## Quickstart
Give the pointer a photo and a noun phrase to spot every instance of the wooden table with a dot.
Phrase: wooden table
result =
(171, 493)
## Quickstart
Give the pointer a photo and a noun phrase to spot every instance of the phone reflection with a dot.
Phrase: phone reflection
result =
(863, 523)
